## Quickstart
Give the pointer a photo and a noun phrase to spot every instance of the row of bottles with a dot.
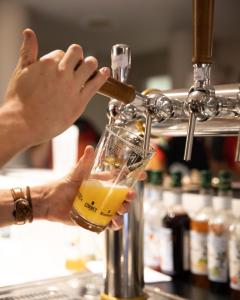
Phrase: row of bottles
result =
(207, 244)
(209, 234)
(166, 226)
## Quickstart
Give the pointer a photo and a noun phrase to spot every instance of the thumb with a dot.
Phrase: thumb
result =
(29, 49)
(83, 168)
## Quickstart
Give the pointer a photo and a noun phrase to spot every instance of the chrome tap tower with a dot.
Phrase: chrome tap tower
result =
(124, 265)
(201, 110)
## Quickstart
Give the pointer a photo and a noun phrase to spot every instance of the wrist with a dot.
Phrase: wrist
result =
(39, 199)
(14, 128)
(39, 196)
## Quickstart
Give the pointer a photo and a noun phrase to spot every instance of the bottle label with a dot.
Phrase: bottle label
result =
(217, 257)
(198, 252)
(152, 240)
(156, 195)
(166, 250)
(234, 263)
(186, 244)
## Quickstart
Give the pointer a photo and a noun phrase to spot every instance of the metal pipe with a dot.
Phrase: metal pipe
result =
(190, 137)
(124, 254)
(224, 90)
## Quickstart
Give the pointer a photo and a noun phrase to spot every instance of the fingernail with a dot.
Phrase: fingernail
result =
(26, 34)
(105, 71)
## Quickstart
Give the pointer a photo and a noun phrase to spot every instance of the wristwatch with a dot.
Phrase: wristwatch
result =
(22, 211)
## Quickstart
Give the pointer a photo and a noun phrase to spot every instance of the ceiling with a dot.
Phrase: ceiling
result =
(146, 25)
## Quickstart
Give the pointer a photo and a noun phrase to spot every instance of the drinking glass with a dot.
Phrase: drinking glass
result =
(119, 160)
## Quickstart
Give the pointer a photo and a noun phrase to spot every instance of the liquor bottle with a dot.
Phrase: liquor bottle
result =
(199, 232)
(234, 250)
(152, 218)
(175, 232)
(218, 235)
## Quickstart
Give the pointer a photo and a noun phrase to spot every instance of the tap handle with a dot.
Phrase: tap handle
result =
(117, 90)
(202, 31)
(190, 137)
(121, 61)
(115, 87)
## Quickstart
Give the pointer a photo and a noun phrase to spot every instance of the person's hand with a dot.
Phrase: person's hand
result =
(117, 222)
(46, 96)
(57, 198)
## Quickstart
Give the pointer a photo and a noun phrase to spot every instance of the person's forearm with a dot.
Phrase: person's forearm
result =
(13, 134)
(7, 206)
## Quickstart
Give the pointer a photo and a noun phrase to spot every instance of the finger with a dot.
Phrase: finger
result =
(131, 195)
(107, 175)
(55, 55)
(93, 85)
(29, 49)
(83, 168)
(88, 66)
(123, 208)
(117, 222)
(72, 58)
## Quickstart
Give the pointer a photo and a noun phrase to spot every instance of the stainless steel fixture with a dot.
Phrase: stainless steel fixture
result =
(124, 266)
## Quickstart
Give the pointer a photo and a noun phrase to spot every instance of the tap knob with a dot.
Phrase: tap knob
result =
(121, 61)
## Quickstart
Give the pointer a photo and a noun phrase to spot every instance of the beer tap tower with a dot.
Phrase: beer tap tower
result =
(124, 265)
(202, 110)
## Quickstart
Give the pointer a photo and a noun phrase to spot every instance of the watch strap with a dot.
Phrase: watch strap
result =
(22, 211)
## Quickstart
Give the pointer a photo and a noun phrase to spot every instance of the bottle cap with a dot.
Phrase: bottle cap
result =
(225, 180)
(206, 179)
(176, 179)
(236, 207)
(156, 177)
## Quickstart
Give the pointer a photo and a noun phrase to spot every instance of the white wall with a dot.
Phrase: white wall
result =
(13, 18)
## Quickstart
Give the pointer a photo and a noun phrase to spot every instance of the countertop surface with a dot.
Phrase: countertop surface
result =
(187, 290)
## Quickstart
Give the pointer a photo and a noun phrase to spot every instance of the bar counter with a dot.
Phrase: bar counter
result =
(187, 290)
(88, 286)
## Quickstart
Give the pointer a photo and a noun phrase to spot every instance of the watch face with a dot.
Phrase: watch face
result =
(22, 210)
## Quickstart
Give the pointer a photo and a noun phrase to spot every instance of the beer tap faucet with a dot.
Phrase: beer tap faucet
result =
(201, 92)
